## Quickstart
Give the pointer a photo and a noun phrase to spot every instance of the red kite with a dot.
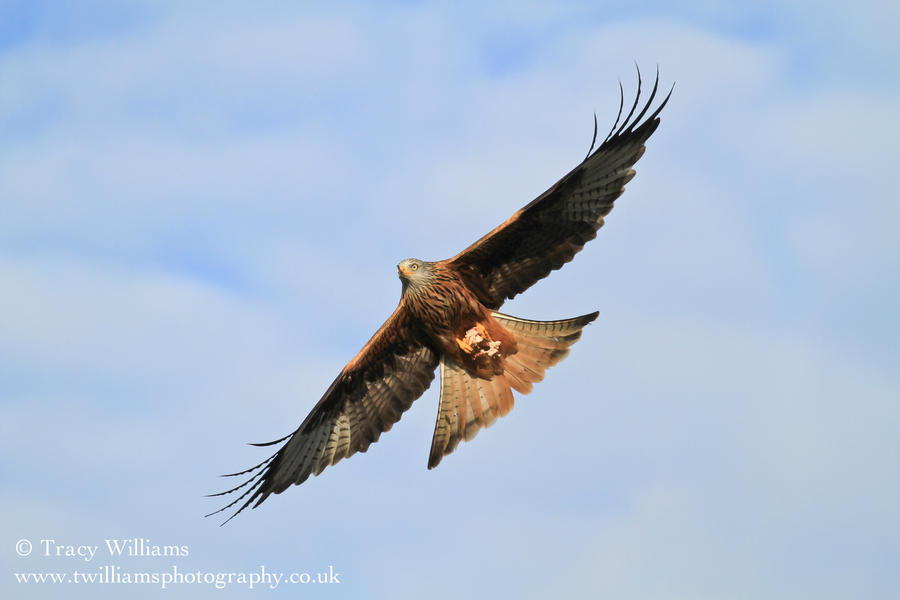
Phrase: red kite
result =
(448, 317)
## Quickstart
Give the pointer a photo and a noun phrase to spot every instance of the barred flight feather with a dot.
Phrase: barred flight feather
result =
(443, 298)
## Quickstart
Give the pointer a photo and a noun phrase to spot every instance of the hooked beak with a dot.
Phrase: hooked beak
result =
(403, 271)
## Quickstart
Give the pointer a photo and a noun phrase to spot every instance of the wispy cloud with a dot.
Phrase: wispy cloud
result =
(200, 214)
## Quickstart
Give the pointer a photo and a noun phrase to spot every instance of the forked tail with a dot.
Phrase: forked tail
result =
(470, 403)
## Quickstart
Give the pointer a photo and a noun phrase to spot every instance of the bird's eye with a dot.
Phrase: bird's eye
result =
(413, 267)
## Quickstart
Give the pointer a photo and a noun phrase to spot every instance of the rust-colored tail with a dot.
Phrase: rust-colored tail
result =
(469, 403)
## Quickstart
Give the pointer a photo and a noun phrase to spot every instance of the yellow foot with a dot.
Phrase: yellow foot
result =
(476, 337)
(464, 346)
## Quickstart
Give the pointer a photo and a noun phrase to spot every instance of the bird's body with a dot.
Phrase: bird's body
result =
(447, 316)
(435, 296)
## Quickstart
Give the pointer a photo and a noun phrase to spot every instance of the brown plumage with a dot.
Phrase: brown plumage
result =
(447, 316)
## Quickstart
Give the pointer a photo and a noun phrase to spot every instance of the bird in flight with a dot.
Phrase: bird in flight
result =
(447, 317)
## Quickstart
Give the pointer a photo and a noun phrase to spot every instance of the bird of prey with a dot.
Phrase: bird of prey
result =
(447, 317)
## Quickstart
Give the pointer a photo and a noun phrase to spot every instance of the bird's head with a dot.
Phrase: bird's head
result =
(414, 273)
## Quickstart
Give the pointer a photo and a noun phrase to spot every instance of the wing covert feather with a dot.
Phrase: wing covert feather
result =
(550, 230)
(369, 395)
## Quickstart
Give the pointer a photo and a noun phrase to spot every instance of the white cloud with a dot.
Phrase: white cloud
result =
(194, 207)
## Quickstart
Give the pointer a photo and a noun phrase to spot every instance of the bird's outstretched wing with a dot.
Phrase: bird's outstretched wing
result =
(367, 398)
(547, 233)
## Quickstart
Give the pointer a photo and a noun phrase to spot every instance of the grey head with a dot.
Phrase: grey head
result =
(414, 273)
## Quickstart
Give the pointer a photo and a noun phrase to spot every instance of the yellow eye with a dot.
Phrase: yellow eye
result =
(413, 267)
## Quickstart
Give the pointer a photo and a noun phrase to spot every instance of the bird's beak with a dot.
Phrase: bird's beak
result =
(402, 271)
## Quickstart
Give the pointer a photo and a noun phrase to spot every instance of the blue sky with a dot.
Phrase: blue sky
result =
(201, 210)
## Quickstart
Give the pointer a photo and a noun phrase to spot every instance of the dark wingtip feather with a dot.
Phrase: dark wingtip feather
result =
(637, 99)
(272, 443)
(254, 482)
(662, 104)
(237, 487)
(641, 114)
(632, 122)
(254, 489)
(618, 114)
(593, 140)
(251, 469)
